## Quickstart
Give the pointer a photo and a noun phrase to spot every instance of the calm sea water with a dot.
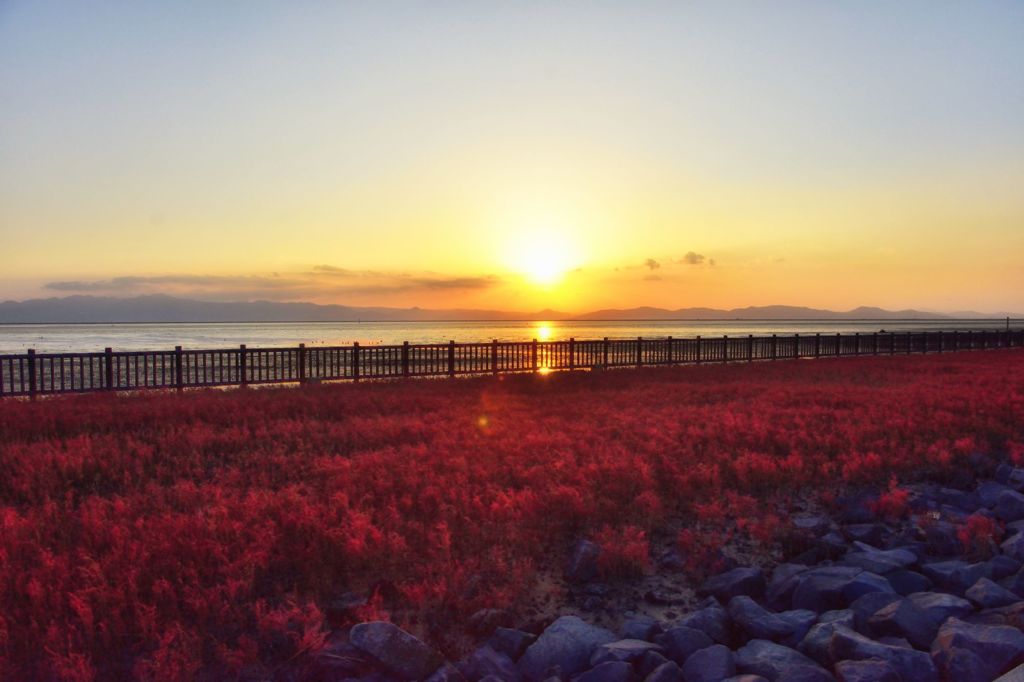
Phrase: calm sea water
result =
(54, 338)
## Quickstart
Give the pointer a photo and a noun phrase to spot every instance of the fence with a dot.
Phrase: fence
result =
(33, 374)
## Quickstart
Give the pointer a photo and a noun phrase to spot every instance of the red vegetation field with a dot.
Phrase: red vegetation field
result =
(157, 535)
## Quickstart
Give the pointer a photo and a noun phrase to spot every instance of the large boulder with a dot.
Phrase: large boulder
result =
(712, 620)
(666, 672)
(681, 642)
(785, 578)
(815, 643)
(1013, 546)
(878, 560)
(904, 619)
(776, 662)
(395, 649)
(757, 622)
(712, 664)
(628, 650)
(987, 594)
(1015, 675)
(866, 606)
(907, 582)
(567, 643)
(486, 661)
(511, 642)
(835, 587)
(940, 606)
(955, 575)
(975, 653)
(1010, 506)
(611, 671)
(989, 492)
(639, 627)
(868, 670)
(912, 665)
(738, 581)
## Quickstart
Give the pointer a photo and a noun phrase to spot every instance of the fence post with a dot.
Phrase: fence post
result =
(572, 353)
(875, 342)
(31, 374)
(243, 369)
(817, 345)
(179, 370)
(892, 343)
(725, 348)
(750, 348)
(604, 351)
(451, 358)
(839, 344)
(494, 356)
(856, 343)
(639, 351)
(796, 345)
(405, 359)
(910, 342)
(775, 347)
(671, 355)
(108, 369)
(533, 356)
(355, 361)
(302, 363)
(940, 340)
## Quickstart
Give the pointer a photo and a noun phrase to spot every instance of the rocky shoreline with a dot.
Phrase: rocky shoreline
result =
(938, 595)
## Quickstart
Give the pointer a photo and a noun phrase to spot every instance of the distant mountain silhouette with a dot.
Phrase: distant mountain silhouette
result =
(159, 308)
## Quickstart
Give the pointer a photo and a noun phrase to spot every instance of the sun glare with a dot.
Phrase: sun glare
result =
(543, 331)
(542, 256)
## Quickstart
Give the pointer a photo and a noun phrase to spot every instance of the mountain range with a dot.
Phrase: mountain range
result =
(161, 308)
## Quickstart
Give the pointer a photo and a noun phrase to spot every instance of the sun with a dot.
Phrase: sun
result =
(546, 266)
(543, 256)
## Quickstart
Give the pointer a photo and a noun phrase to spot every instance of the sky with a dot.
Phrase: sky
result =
(516, 155)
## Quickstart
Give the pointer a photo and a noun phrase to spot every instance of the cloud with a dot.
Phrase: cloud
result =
(652, 264)
(320, 282)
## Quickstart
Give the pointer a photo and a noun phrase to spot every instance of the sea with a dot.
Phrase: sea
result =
(61, 338)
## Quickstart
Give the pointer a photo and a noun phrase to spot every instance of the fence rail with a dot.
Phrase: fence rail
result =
(33, 374)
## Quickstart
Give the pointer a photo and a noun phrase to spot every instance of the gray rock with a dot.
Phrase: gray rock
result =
(1015, 675)
(868, 670)
(878, 560)
(712, 620)
(511, 642)
(446, 673)
(871, 533)
(912, 665)
(486, 661)
(666, 672)
(941, 538)
(774, 661)
(628, 650)
(815, 643)
(395, 649)
(970, 653)
(955, 575)
(987, 594)
(1010, 506)
(1013, 546)
(757, 622)
(612, 671)
(907, 582)
(989, 492)
(815, 524)
(941, 606)
(834, 587)
(779, 592)
(567, 643)
(650, 662)
(640, 627)
(709, 665)
(583, 562)
(739, 581)
(681, 642)
(1014, 583)
(1003, 566)
(746, 678)
(866, 606)
(904, 619)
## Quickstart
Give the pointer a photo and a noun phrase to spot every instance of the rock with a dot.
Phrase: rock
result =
(486, 661)
(1010, 506)
(866, 606)
(446, 673)
(344, 607)
(746, 678)
(612, 671)
(567, 643)
(904, 619)
(666, 672)
(395, 649)
(776, 662)
(1013, 546)
(987, 594)
(757, 622)
(868, 670)
(815, 524)
(871, 533)
(712, 664)
(485, 621)
(989, 492)
(856, 508)
(511, 642)
(628, 650)
(1003, 566)
(738, 581)
(907, 582)
(969, 653)
(639, 627)
(834, 587)
(911, 665)
(1015, 675)
(879, 561)
(583, 562)
(941, 606)
(815, 643)
(955, 575)
(680, 642)
(1012, 615)
(940, 536)
(651, 661)
(785, 578)
(962, 500)
(712, 620)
